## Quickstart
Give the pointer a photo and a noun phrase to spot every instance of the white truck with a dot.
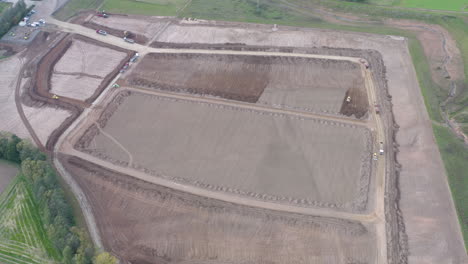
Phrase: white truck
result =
(381, 148)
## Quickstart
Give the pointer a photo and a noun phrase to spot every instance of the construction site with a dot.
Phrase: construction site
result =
(222, 142)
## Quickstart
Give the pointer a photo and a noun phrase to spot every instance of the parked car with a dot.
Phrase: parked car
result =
(129, 40)
(101, 32)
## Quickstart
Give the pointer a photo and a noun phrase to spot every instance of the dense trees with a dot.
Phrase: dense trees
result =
(12, 16)
(56, 214)
(105, 258)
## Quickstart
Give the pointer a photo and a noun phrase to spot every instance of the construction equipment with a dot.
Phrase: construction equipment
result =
(374, 156)
(115, 85)
(348, 99)
(55, 97)
(364, 62)
(102, 14)
(377, 108)
(135, 57)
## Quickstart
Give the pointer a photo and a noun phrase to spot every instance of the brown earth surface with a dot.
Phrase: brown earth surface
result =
(43, 59)
(315, 85)
(259, 148)
(146, 223)
(141, 28)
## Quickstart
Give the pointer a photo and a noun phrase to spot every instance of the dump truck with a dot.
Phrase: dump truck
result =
(364, 62)
(377, 108)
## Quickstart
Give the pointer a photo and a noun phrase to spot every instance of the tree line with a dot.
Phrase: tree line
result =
(70, 241)
(12, 16)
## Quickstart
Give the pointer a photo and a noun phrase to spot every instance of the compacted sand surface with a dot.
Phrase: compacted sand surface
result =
(278, 157)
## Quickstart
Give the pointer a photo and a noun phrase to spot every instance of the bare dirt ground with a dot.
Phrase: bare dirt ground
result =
(440, 48)
(81, 70)
(238, 151)
(45, 120)
(7, 173)
(314, 85)
(418, 183)
(160, 225)
(86, 58)
(142, 28)
(404, 89)
(10, 120)
(74, 86)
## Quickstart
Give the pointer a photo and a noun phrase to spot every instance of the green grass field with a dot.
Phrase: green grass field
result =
(74, 6)
(135, 7)
(451, 5)
(23, 239)
(144, 7)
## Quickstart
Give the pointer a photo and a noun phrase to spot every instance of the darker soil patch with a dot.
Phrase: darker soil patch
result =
(358, 103)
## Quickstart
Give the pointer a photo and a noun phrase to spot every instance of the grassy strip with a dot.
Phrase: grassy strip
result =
(432, 94)
(455, 157)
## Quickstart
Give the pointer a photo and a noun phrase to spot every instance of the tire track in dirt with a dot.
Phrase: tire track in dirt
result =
(130, 156)
(19, 108)
(254, 107)
(81, 74)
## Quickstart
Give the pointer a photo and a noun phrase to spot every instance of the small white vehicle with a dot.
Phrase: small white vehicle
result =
(381, 149)
(129, 40)
(101, 32)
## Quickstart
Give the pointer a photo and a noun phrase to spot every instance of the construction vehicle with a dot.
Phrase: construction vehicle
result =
(135, 57)
(102, 14)
(377, 108)
(348, 99)
(374, 156)
(364, 62)
(101, 32)
(55, 97)
(115, 85)
(381, 149)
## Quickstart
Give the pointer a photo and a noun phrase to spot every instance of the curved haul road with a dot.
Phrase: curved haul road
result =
(376, 217)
